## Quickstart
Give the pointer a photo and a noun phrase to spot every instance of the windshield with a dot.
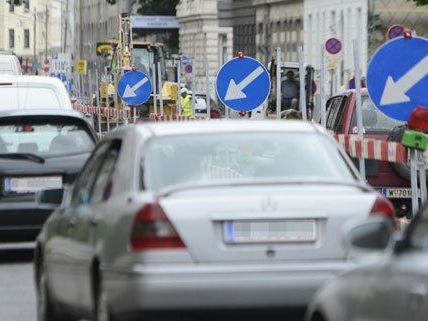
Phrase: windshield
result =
(44, 138)
(143, 60)
(28, 97)
(242, 156)
(374, 121)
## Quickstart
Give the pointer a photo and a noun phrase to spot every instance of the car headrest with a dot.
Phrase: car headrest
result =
(30, 148)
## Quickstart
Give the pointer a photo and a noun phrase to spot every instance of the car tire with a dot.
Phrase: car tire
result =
(45, 309)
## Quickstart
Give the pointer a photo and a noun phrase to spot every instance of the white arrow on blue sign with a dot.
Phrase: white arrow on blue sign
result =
(134, 88)
(397, 79)
(243, 84)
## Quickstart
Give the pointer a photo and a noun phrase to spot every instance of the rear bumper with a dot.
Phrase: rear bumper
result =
(21, 221)
(216, 287)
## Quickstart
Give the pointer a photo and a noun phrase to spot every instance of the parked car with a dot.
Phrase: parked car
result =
(38, 149)
(393, 287)
(390, 179)
(33, 92)
(9, 64)
(170, 219)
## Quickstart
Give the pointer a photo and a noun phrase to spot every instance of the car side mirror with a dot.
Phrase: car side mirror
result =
(50, 196)
(373, 235)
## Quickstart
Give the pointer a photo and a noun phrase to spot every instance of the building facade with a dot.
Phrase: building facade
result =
(200, 37)
(31, 31)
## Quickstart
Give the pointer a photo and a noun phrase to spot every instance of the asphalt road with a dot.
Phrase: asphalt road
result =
(17, 294)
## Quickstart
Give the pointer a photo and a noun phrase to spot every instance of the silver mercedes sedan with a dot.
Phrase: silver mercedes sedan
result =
(168, 219)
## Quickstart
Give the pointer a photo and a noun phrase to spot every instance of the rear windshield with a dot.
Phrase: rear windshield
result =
(374, 121)
(242, 156)
(28, 97)
(7, 69)
(45, 138)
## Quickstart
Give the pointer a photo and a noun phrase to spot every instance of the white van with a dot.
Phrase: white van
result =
(33, 92)
(9, 65)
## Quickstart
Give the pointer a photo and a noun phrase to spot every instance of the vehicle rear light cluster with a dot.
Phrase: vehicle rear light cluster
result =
(383, 207)
(153, 230)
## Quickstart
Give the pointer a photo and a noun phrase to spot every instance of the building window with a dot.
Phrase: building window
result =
(223, 49)
(26, 38)
(11, 7)
(27, 4)
(11, 38)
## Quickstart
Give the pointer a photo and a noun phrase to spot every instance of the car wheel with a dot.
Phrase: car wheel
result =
(45, 311)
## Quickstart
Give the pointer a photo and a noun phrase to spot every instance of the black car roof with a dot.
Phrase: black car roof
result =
(41, 112)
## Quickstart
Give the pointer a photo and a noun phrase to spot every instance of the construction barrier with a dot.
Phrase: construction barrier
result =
(369, 148)
(103, 111)
(160, 118)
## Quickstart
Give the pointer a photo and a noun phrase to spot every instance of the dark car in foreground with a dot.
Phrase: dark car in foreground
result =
(39, 149)
(391, 286)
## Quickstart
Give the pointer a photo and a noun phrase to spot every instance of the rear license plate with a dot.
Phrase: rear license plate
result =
(277, 231)
(396, 192)
(24, 185)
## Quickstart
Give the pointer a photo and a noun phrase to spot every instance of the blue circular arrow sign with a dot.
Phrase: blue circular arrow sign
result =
(134, 88)
(243, 84)
(397, 79)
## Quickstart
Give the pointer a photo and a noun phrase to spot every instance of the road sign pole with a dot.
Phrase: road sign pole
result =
(90, 86)
(160, 88)
(322, 89)
(278, 82)
(193, 86)
(179, 84)
(302, 84)
(208, 86)
(98, 100)
(423, 176)
(107, 109)
(359, 110)
(134, 110)
(154, 89)
(414, 181)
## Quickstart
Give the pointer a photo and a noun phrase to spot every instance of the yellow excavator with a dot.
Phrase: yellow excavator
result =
(143, 56)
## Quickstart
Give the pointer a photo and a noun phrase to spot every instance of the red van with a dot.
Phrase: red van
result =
(390, 179)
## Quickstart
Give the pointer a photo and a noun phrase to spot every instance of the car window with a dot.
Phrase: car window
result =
(242, 156)
(374, 121)
(419, 237)
(83, 185)
(334, 113)
(44, 136)
(29, 97)
(102, 186)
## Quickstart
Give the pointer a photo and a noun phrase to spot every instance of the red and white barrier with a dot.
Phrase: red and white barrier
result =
(370, 148)
(160, 118)
(103, 111)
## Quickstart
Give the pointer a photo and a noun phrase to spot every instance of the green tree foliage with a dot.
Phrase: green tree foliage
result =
(420, 2)
(158, 7)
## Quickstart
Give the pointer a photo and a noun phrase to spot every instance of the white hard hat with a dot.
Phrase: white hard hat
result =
(183, 90)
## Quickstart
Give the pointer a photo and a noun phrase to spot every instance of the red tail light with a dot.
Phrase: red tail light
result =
(153, 230)
(383, 207)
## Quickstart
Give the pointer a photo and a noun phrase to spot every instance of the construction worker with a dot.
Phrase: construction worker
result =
(186, 104)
